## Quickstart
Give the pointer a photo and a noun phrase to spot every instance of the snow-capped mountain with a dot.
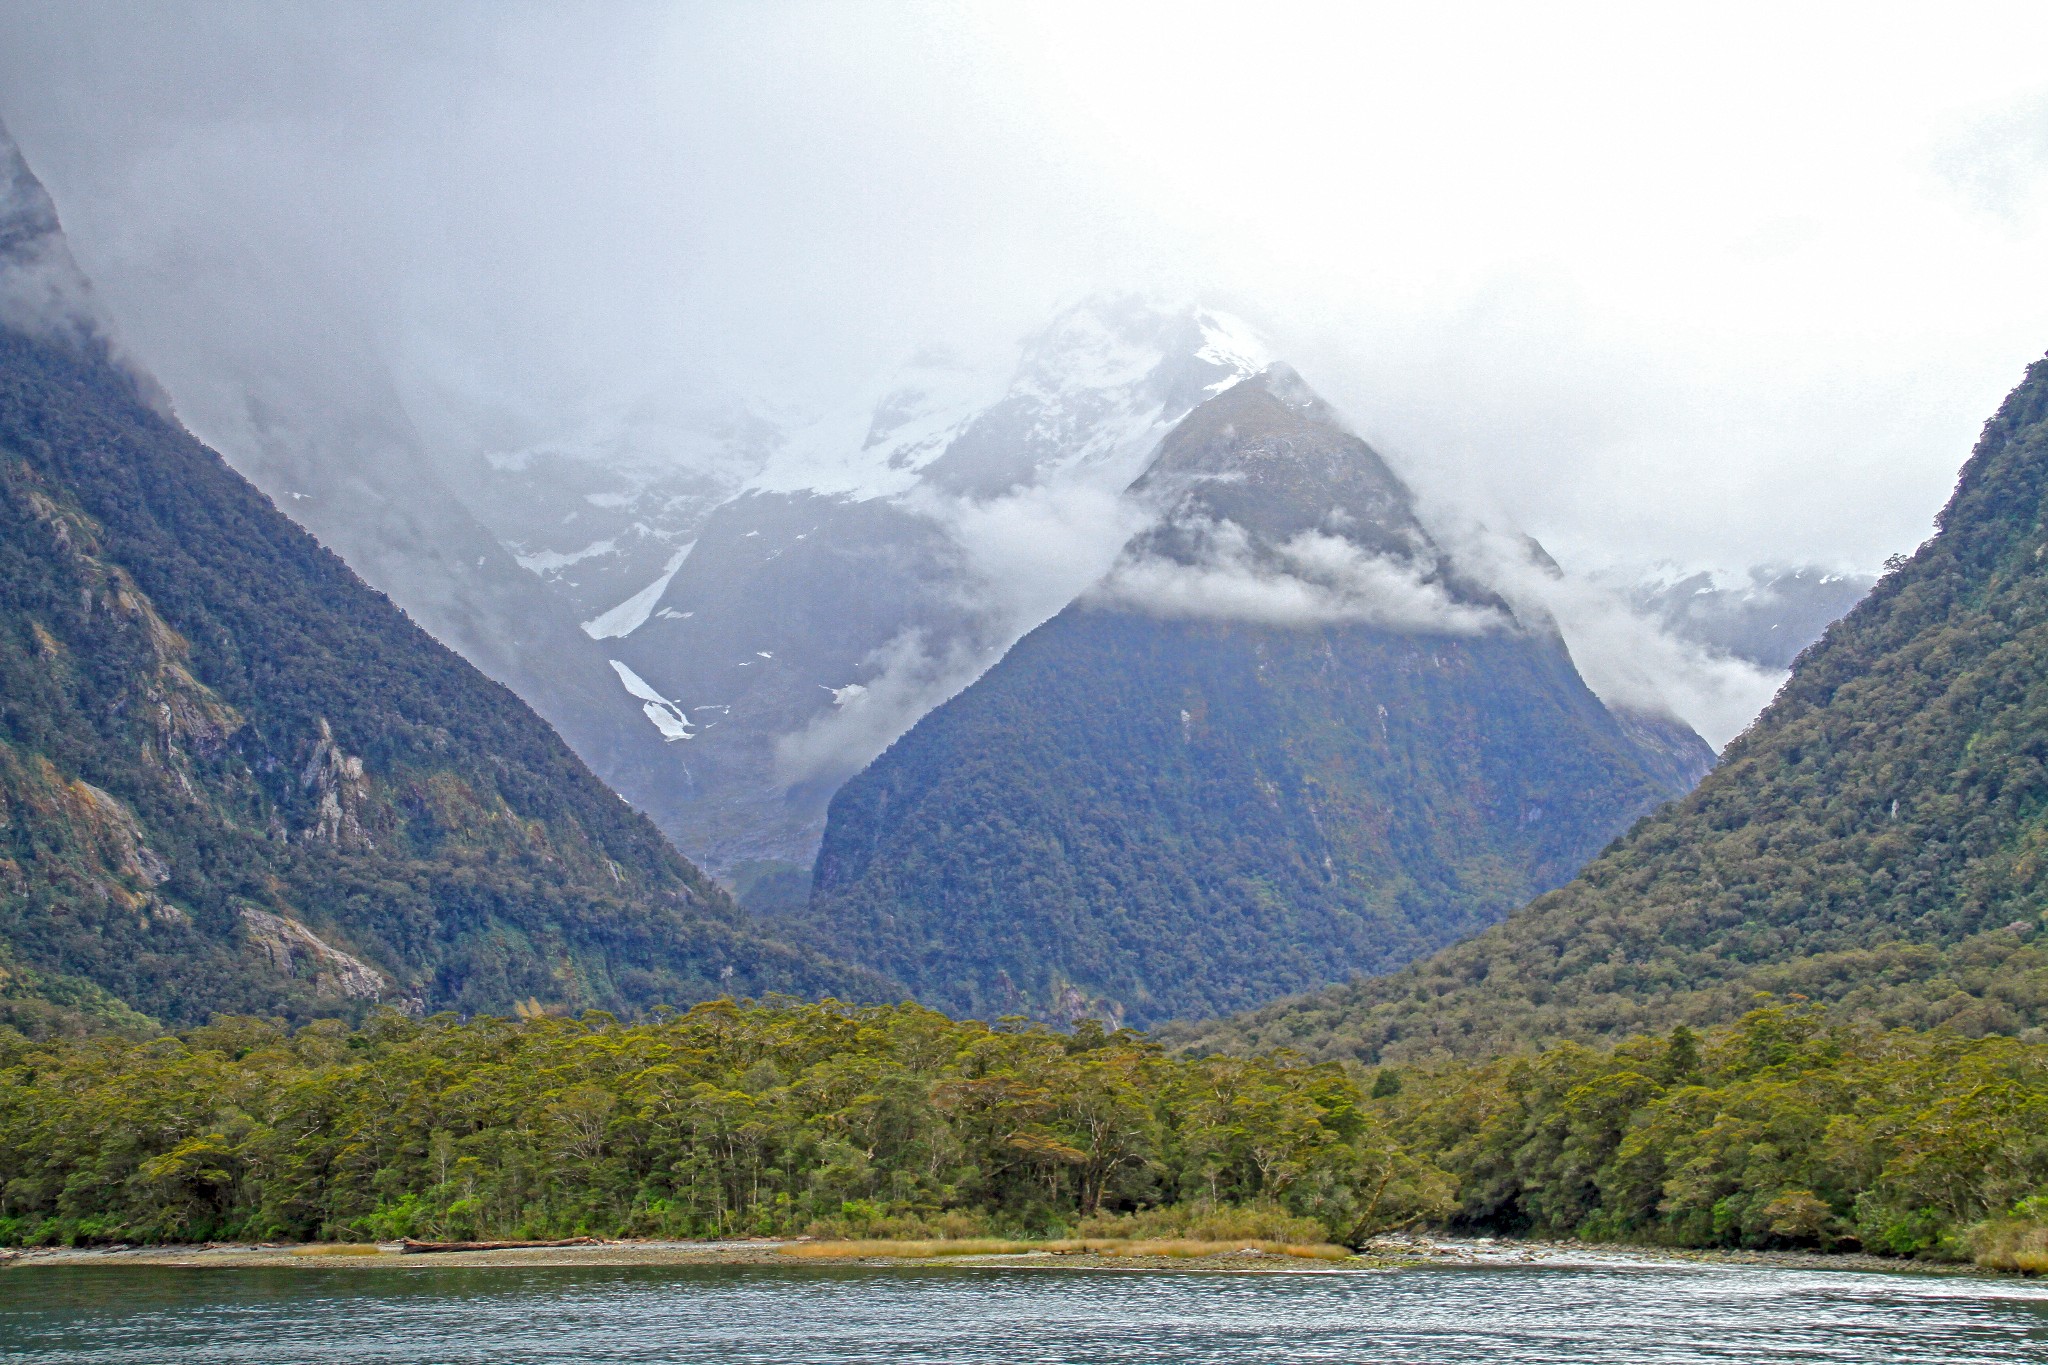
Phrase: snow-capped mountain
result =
(859, 577)
(726, 604)
(1287, 737)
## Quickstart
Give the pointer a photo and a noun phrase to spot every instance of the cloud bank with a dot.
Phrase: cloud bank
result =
(1310, 579)
(1758, 318)
(1628, 658)
(902, 681)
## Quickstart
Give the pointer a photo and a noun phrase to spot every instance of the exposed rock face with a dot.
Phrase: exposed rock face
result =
(105, 823)
(119, 825)
(293, 950)
(343, 792)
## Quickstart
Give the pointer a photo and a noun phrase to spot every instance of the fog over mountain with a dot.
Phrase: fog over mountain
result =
(737, 384)
(1289, 736)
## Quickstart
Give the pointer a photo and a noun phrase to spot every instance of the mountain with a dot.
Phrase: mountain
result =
(843, 591)
(726, 603)
(1765, 617)
(727, 599)
(1283, 740)
(234, 778)
(1874, 841)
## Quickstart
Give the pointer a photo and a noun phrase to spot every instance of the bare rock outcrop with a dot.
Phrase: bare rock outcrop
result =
(344, 792)
(296, 951)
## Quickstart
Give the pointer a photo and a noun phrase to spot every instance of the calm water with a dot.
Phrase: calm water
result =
(1016, 1317)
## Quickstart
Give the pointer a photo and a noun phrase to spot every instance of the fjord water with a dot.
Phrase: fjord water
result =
(962, 1316)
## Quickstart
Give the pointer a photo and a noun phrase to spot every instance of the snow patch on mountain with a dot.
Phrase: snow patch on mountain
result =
(545, 562)
(876, 445)
(631, 614)
(666, 715)
(1230, 343)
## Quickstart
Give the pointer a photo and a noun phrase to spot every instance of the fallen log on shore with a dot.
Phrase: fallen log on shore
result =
(415, 1248)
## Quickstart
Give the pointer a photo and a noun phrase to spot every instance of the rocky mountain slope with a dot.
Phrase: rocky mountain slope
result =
(1874, 841)
(1285, 739)
(232, 777)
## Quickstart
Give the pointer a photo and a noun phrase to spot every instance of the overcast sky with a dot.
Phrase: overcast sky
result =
(1713, 284)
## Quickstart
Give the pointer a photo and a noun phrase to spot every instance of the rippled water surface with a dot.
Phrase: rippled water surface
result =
(445, 1315)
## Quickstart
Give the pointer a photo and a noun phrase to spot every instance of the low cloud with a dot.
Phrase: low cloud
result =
(1627, 657)
(897, 684)
(1311, 579)
(1025, 556)
(1033, 551)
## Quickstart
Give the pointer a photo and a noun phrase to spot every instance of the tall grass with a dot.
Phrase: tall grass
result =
(1178, 1248)
(1204, 1222)
(2011, 1244)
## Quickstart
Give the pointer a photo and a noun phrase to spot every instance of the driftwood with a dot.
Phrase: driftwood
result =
(415, 1248)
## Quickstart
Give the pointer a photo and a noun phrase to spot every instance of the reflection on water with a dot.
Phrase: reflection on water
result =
(421, 1315)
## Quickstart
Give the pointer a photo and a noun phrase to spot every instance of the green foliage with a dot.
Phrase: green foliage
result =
(233, 777)
(1786, 1130)
(728, 1119)
(1141, 818)
(1146, 818)
(1878, 839)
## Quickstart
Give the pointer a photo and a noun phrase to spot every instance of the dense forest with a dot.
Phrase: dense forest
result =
(1785, 1130)
(1147, 815)
(232, 777)
(1876, 840)
(728, 1119)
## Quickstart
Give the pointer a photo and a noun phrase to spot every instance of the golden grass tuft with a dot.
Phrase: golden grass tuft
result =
(337, 1249)
(2011, 1244)
(1245, 1224)
(914, 1250)
(1175, 1248)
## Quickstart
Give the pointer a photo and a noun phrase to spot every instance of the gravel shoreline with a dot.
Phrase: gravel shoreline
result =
(1384, 1254)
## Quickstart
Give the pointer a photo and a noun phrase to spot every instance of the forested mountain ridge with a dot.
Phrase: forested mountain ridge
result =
(1283, 742)
(1878, 839)
(232, 777)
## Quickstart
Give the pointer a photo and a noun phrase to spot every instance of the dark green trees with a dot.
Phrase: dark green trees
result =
(1878, 839)
(234, 777)
(727, 1119)
(1327, 754)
